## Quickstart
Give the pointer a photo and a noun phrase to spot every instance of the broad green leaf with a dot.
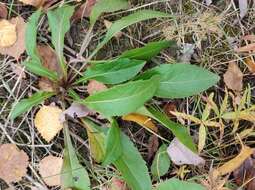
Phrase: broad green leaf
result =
(37, 68)
(26, 104)
(176, 184)
(132, 166)
(149, 51)
(113, 72)
(31, 35)
(59, 22)
(181, 80)
(178, 130)
(96, 140)
(104, 6)
(122, 99)
(113, 144)
(73, 174)
(161, 162)
(127, 21)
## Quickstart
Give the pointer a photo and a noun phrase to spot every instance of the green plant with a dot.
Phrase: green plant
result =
(128, 91)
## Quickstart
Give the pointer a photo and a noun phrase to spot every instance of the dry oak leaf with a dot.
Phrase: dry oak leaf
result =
(13, 163)
(19, 46)
(47, 122)
(8, 35)
(95, 86)
(3, 11)
(50, 170)
(233, 78)
(35, 3)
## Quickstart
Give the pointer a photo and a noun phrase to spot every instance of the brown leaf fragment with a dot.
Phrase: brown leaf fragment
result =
(181, 155)
(249, 61)
(45, 84)
(233, 78)
(153, 145)
(3, 11)
(50, 170)
(168, 108)
(8, 35)
(246, 49)
(95, 86)
(249, 38)
(18, 47)
(35, 3)
(13, 163)
(84, 10)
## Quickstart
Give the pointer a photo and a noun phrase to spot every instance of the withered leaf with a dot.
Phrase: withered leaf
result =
(19, 46)
(8, 35)
(50, 170)
(246, 49)
(35, 3)
(3, 11)
(249, 61)
(95, 86)
(13, 163)
(233, 78)
(84, 10)
(18, 70)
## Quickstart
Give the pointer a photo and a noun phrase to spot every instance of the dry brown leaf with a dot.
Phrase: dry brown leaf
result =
(50, 170)
(153, 145)
(168, 108)
(95, 86)
(3, 11)
(47, 122)
(35, 3)
(142, 120)
(13, 163)
(181, 155)
(8, 35)
(246, 49)
(235, 163)
(19, 46)
(233, 78)
(84, 10)
(249, 38)
(249, 61)
(18, 70)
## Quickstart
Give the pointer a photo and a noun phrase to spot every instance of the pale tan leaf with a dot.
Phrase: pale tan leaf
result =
(13, 163)
(3, 11)
(246, 49)
(233, 78)
(8, 35)
(35, 3)
(19, 46)
(47, 122)
(95, 86)
(50, 170)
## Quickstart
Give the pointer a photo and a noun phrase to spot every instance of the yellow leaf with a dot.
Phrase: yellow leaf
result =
(8, 35)
(187, 117)
(235, 162)
(47, 122)
(202, 138)
(142, 120)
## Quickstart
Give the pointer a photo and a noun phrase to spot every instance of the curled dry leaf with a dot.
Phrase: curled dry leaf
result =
(35, 3)
(95, 86)
(19, 46)
(47, 122)
(13, 163)
(8, 35)
(3, 11)
(233, 164)
(50, 170)
(233, 78)
(181, 155)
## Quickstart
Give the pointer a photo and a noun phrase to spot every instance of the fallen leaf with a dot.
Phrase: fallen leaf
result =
(246, 49)
(168, 108)
(152, 146)
(235, 163)
(243, 6)
(50, 170)
(18, 70)
(46, 85)
(249, 38)
(3, 11)
(84, 10)
(19, 46)
(95, 86)
(142, 120)
(233, 78)
(13, 163)
(249, 61)
(8, 35)
(35, 3)
(47, 121)
(181, 155)
(76, 110)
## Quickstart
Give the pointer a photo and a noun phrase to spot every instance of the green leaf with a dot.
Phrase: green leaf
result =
(59, 22)
(122, 99)
(181, 80)
(36, 67)
(127, 21)
(113, 144)
(176, 184)
(26, 104)
(161, 162)
(31, 35)
(147, 52)
(113, 72)
(178, 130)
(132, 166)
(73, 174)
(104, 6)
(96, 140)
